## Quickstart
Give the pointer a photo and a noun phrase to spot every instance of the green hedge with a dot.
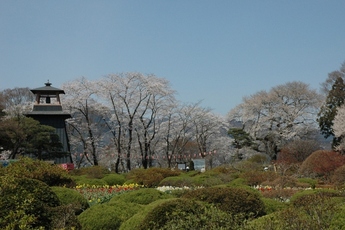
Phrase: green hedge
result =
(83, 179)
(107, 216)
(26, 202)
(188, 214)
(52, 175)
(178, 181)
(93, 172)
(142, 196)
(135, 221)
(231, 200)
(305, 196)
(150, 177)
(272, 205)
(114, 179)
(72, 197)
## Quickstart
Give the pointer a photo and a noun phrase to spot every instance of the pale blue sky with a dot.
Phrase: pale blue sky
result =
(215, 51)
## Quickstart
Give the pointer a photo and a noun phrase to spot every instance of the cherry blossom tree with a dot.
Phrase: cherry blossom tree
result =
(151, 113)
(189, 131)
(207, 128)
(16, 101)
(284, 113)
(135, 102)
(133, 119)
(339, 128)
(176, 132)
(86, 127)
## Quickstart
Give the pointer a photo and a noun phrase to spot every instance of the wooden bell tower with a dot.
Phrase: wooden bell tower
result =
(48, 111)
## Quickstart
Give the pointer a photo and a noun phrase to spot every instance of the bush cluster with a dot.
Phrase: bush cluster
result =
(279, 194)
(93, 172)
(68, 196)
(83, 179)
(150, 177)
(230, 200)
(322, 164)
(273, 205)
(310, 210)
(52, 175)
(178, 181)
(216, 176)
(114, 179)
(26, 202)
(142, 196)
(107, 216)
(313, 197)
(285, 182)
(34, 195)
(254, 177)
(188, 214)
(29, 200)
(338, 177)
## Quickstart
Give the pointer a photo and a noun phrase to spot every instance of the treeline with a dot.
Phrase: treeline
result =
(129, 120)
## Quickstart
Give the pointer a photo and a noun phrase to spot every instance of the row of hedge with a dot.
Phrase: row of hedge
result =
(36, 195)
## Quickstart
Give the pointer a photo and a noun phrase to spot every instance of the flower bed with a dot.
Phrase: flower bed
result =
(280, 194)
(100, 194)
(169, 189)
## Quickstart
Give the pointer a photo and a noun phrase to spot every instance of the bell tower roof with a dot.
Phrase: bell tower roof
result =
(48, 94)
(47, 90)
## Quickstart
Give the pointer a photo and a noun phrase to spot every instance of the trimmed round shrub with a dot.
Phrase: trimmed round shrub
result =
(311, 182)
(134, 222)
(288, 218)
(208, 179)
(254, 177)
(114, 179)
(142, 196)
(313, 197)
(187, 214)
(247, 165)
(272, 205)
(338, 177)
(281, 194)
(81, 180)
(26, 202)
(319, 217)
(230, 200)
(150, 177)
(178, 181)
(238, 182)
(52, 175)
(93, 172)
(101, 216)
(322, 163)
(107, 216)
(338, 222)
(64, 217)
(283, 182)
(72, 197)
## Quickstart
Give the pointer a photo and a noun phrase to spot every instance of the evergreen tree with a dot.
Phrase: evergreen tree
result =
(23, 135)
(241, 139)
(328, 111)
